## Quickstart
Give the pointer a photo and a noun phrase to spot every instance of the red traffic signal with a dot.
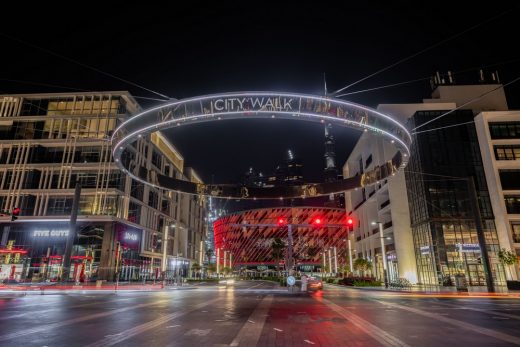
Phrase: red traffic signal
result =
(350, 223)
(15, 213)
(281, 221)
(318, 221)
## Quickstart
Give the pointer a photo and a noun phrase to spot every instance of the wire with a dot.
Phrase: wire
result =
(468, 102)
(436, 175)
(429, 77)
(448, 126)
(69, 88)
(424, 50)
(82, 64)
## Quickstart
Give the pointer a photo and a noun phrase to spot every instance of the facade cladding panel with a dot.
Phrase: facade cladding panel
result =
(440, 209)
(48, 143)
(245, 239)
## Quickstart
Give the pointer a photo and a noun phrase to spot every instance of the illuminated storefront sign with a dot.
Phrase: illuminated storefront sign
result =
(468, 247)
(51, 232)
(130, 236)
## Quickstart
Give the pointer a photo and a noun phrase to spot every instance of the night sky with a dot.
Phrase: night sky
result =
(183, 52)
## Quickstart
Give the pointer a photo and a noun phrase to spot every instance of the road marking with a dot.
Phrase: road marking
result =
(250, 334)
(460, 324)
(384, 337)
(198, 332)
(52, 326)
(173, 326)
(278, 329)
(112, 335)
(493, 312)
(309, 342)
(250, 321)
(139, 329)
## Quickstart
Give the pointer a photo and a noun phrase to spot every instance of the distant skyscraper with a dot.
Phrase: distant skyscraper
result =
(331, 171)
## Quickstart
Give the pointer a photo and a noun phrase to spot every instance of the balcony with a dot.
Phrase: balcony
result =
(384, 204)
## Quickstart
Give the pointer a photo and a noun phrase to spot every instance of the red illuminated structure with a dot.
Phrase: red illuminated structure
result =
(246, 237)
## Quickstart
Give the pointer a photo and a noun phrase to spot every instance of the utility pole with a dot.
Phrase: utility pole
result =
(472, 192)
(72, 233)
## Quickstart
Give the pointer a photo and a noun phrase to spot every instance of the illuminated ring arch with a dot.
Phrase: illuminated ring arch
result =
(242, 105)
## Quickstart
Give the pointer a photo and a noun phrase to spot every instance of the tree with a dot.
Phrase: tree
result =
(346, 270)
(361, 264)
(277, 250)
(227, 270)
(211, 269)
(195, 267)
(507, 258)
(209, 253)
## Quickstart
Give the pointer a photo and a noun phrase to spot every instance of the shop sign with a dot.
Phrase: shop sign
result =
(468, 247)
(130, 236)
(50, 233)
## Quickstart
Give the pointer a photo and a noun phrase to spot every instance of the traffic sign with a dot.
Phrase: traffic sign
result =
(291, 280)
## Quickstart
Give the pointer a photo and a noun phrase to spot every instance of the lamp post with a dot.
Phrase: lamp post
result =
(383, 252)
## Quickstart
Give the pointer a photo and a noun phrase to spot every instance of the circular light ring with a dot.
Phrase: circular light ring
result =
(246, 105)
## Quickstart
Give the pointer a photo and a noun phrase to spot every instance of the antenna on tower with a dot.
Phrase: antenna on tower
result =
(325, 84)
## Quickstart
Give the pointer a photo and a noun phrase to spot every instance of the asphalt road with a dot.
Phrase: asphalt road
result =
(257, 314)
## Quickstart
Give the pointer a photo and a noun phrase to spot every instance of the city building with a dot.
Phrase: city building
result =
(499, 139)
(244, 240)
(50, 142)
(429, 232)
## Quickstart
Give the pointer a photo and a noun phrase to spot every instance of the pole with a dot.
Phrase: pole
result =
(350, 256)
(324, 262)
(383, 253)
(330, 261)
(165, 248)
(472, 192)
(72, 232)
(218, 262)
(289, 250)
(335, 260)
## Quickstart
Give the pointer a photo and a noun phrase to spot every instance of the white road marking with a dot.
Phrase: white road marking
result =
(173, 326)
(309, 342)
(113, 335)
(52, 326)
(198, 332)
(250, 321)
(459, 324)
(277, 329)
(384, 337)
(204, 311)
(250, 334)
(139, 329)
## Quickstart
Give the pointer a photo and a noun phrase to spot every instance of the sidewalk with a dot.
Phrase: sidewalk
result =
(448, 291)
(41, 288)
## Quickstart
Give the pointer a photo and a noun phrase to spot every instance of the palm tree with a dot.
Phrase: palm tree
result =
(361, 264)
(209, 253)
(277, 250)
(195, 267)
(507, 258)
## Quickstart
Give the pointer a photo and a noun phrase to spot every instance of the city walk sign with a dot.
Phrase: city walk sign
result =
(266, 105)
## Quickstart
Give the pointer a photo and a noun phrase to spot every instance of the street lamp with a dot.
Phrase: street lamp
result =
(383, 252)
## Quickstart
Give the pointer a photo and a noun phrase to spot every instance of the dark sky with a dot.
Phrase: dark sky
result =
(183, 52)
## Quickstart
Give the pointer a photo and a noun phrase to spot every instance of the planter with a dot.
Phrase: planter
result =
(513, 285)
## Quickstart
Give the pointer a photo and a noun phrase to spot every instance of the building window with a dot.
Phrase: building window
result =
(504, 130)
(368, 161)
(505, 152)
(512, 203)
(510, 179)
(515, 230)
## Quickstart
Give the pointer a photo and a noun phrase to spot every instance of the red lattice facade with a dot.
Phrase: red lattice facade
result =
(248, 235)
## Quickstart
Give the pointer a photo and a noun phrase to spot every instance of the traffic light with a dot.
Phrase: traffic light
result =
(281, 221)
(15, 213)
(350, 223)
(318, 221)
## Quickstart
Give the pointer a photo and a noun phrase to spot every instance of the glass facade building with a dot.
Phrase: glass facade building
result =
(50, 142)
(443, 223)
